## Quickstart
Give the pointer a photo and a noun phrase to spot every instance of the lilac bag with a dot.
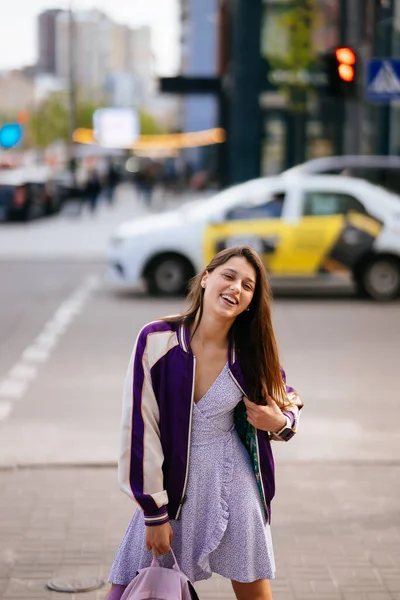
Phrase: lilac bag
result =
(159, 583)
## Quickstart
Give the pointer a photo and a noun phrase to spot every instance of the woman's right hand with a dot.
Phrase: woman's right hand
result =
(159, 539)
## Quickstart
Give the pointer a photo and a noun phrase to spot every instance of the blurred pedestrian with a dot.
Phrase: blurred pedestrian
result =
(93, 188)
(112, 178)
(145, 183)
(206, 385)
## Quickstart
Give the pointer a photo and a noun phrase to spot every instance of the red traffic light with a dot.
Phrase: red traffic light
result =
(346, 56)
(340, 65)
(346, 59)
(346, 72)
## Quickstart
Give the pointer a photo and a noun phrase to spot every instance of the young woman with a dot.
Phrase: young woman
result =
(203, 397)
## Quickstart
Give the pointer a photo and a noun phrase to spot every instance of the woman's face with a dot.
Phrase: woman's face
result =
(229, 289)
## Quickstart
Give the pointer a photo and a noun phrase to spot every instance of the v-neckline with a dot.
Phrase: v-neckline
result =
(212, 385)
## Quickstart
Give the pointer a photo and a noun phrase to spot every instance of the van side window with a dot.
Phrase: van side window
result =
(319, 204)
(268, 210)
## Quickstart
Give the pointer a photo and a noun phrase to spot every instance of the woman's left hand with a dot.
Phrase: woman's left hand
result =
(267, 418)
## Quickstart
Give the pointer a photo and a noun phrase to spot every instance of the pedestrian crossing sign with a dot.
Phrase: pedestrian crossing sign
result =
(383, 80)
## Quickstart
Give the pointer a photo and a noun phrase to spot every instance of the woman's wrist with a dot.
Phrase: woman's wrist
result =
(282, 423)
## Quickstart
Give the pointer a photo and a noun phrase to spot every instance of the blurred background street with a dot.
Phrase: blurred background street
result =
(136, 141)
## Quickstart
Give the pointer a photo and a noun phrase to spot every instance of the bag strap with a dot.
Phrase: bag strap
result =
(192, 591)
(155, 563)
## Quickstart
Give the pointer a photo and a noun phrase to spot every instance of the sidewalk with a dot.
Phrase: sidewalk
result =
(336, 531)
(74, 235)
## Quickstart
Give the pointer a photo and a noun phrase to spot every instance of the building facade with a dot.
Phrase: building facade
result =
(304, 122)
(47, 30)
(17, 93)
(112, 62)
(296, 120)
(199, 58)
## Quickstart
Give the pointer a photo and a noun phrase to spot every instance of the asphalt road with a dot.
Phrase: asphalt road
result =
(66, 338)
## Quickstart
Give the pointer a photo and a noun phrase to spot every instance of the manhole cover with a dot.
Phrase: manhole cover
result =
(72, 585)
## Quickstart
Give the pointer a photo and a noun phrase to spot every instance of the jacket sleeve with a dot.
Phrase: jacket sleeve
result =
(141, 456)
(291, 412)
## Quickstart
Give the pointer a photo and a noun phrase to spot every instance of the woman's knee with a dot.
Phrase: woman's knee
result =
(257, 590)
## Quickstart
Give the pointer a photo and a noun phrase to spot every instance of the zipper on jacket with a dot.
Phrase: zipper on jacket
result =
(257, 448)
(183, 499)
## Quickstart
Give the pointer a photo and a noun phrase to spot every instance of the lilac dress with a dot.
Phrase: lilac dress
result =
(223, 528)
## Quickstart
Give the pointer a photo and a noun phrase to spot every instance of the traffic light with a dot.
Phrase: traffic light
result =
(341, 72)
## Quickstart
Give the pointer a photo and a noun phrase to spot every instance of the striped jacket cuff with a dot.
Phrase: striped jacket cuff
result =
(288, 431)
(158, 517)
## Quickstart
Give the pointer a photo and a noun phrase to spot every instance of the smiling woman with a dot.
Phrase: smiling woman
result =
(236, 278)
(204, 395)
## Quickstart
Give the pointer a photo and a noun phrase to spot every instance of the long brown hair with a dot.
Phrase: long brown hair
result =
(252, 331)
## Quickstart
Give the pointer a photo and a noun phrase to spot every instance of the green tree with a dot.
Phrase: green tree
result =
(148, 124)
(84, 113)
(50, 121)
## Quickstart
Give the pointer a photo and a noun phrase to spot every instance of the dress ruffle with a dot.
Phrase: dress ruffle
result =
(223, 516)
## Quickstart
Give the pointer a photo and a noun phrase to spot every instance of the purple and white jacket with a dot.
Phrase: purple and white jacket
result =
(156, 423)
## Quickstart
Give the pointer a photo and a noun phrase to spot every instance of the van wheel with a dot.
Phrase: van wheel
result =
(169, 276)
(379, 279)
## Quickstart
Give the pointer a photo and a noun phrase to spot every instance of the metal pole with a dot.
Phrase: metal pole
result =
(343, 25)
(72, 91)
(340, 103)
(245, 118)
(384, 48)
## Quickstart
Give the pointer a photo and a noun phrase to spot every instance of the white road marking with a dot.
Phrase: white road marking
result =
(33, 354)
(13, 389)
(23, 371)
(5, 409)
(15, 384)
(46, 341)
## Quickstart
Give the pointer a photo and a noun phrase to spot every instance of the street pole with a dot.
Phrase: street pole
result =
(72, 91)
(339, 106)
(384, 49)
(245, 118)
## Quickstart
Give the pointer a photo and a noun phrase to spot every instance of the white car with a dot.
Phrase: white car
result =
(307, 226)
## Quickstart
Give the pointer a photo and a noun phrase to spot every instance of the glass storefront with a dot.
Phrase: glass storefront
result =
(292, 39)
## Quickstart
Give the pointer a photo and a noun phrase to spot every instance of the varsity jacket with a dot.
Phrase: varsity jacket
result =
(156, 425)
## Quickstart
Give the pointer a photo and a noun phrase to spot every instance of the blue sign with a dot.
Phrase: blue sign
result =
(10, 135)
(383, 80)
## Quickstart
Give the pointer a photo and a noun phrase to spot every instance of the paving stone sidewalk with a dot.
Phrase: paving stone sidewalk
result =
(336, 531)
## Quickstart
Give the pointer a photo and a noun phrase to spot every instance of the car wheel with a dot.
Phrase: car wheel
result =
(380, 279)
(29, 212)
(168, 276)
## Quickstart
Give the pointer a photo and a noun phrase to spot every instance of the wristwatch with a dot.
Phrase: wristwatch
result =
(286, 429)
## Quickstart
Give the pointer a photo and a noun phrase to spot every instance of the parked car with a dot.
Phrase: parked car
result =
(27, 193)
(303, 227)
(380, 170)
